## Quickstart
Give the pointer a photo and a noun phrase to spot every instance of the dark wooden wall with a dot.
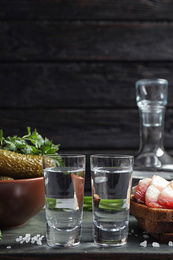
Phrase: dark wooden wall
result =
(69, 67)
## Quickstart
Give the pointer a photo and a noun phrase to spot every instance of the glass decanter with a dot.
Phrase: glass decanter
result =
(152, 159)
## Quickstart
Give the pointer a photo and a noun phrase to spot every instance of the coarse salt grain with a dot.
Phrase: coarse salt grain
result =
(144, 243)
(170, 243)
(8, 247)
(155, 244)
(33, 239)
(27, 238)
(19, 239)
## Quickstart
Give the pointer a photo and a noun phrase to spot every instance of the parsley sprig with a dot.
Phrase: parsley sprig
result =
(32, 143)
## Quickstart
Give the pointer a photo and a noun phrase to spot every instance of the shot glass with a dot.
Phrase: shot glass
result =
(64, 177)
(111, 180)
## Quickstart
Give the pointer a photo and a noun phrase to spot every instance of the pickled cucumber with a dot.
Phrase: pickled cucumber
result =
(5, 178)
(20, 166)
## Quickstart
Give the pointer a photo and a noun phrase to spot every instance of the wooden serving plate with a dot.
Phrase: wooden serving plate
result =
(157, 222)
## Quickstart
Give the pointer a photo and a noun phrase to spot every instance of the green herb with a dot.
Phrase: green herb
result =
(51, 203)
(106, 204)
(87, 203)
(0, 235)
(111, 204)
(32, 143)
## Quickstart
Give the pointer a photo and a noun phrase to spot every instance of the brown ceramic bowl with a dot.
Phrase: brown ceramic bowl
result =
(20, 200)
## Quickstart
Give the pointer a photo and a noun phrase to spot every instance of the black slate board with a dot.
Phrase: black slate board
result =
(86, 250)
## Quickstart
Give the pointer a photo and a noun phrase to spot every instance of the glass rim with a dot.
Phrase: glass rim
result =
(67, 155)
(114, 156)
(152, 80)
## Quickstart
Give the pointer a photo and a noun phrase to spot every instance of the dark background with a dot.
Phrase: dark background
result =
(68, 68)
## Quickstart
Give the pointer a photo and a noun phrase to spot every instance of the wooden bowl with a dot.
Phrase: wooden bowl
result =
(156, 221)
(20, 200)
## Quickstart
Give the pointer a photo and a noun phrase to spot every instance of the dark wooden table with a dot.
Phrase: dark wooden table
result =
(86, 250)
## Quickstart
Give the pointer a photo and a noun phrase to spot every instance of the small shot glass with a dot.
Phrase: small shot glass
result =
(64, 177)
(111, 180)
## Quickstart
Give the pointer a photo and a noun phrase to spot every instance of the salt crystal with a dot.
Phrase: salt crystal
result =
(170, 243)
(39, 242)
(8, 247)
(18, 239)
(144, 243)
(132, 230)
(27, 238)
(155, 244)
(33, 239)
